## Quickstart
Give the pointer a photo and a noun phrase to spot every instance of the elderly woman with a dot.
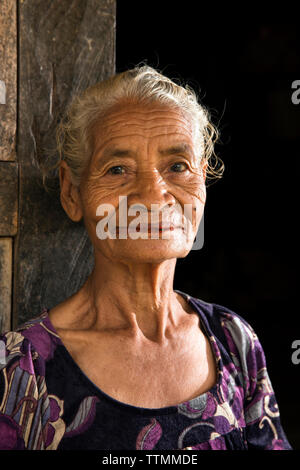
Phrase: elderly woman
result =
(127, 362)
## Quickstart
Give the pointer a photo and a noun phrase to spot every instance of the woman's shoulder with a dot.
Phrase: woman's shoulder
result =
(223, 320)
(239, 336)
(29, 341)
(26, 407)
(237, 342)
(235, 335)
(233, 323)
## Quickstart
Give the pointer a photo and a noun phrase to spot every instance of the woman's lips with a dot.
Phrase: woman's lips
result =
(149, 228)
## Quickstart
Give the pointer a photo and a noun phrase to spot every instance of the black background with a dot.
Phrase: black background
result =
(243, 72)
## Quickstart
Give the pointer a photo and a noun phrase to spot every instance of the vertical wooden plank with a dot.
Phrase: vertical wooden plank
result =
(5, 283)
(8, 198)
(8, 79)
(8, 168)
(64, 46)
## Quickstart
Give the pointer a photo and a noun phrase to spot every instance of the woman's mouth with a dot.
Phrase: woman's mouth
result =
(148, 228)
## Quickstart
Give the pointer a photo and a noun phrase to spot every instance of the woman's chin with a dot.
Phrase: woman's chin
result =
(149, 250)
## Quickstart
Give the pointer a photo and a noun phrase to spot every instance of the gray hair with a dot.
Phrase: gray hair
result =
(142, 84)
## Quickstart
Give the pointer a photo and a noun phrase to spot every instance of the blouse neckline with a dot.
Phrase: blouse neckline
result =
(196, 403)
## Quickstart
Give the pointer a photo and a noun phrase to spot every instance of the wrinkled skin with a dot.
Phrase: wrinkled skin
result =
(132, 335)
(144, 176)
(132, 158)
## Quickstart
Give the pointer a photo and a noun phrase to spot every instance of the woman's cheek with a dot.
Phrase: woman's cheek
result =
(194, 194)
(94, 194)
(98, 203)
(192, 188)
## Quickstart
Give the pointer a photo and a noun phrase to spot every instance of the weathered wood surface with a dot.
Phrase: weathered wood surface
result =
(65, 46)
(8, 79)
(5, 283)
(8, 198)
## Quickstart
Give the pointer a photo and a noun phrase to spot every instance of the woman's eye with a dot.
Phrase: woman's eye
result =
(179, 167)
(116, 170)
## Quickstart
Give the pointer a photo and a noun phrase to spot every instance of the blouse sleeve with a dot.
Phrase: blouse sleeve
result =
(263, 429)
(29, 417)
(11, 435)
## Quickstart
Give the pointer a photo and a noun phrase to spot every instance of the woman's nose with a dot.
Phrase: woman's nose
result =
(151, 189)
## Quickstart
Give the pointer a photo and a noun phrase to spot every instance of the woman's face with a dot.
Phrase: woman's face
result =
(145, 156)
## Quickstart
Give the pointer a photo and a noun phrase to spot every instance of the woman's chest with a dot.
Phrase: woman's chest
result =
(149, 377)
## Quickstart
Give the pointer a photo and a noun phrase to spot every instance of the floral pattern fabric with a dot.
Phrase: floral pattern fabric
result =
(47, 402)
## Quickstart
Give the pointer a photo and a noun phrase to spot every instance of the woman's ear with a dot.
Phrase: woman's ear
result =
(69, 194)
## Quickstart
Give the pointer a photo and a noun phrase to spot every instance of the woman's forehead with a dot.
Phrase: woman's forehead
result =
(143, 113)
(137, 122)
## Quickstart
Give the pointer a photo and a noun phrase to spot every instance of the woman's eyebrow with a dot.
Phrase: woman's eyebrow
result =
(175, 149)
(115, 152)
(109, 153)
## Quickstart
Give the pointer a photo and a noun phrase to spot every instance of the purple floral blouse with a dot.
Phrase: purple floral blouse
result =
(47, 402)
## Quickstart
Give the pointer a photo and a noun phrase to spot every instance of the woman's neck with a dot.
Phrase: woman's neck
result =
(137, 298)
